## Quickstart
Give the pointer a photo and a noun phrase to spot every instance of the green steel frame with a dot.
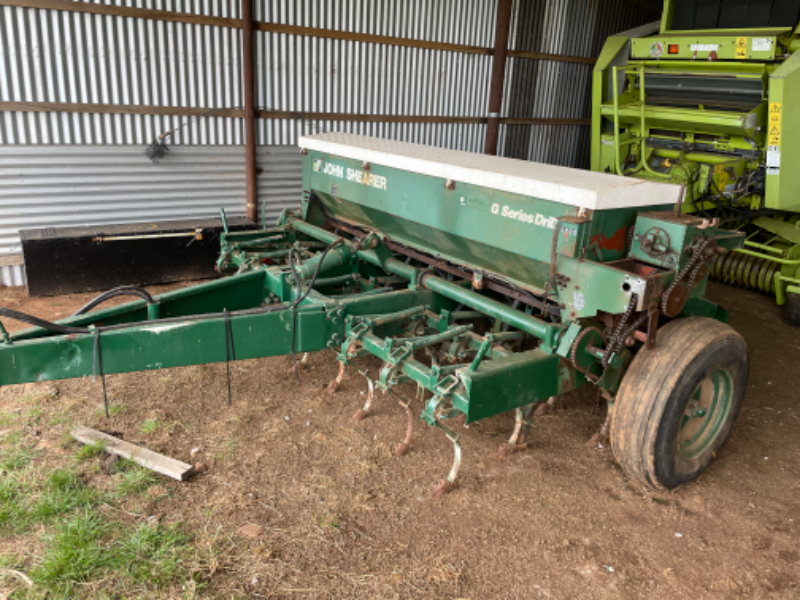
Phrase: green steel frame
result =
(483, 321)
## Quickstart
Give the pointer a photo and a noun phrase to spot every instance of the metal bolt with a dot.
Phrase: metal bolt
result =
(450, 184)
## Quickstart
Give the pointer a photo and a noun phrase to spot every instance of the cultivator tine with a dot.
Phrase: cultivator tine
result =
(438, 416)
(333, 386)
(295, 368)
(447, 484)
(362, 413)
(517, 442)
(402, 447)
(547, 407)
(600, 439)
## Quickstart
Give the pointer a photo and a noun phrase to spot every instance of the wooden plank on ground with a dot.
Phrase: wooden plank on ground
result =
(141, 456)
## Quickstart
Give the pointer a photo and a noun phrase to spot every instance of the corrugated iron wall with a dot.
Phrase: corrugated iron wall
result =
(67, 57)
(58, 56)
(556, 89)
(320, 75)
(63, 186)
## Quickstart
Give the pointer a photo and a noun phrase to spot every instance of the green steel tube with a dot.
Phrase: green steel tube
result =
(432, 340)
(691, 156)
(763, 247)
(399, 316)
(153, 311)
(493, 308)
(335, 280)
(481, 353)
(464, 315)
(334, 258)
(270, 239)
(392, 265)
(273, 254)
(782, 261)
(615, 92)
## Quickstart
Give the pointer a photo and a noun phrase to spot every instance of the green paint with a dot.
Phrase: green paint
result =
(368, 300)
(705, 414)
(726, 118)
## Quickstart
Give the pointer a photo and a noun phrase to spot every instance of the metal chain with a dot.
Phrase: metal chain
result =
(615, 340)
(697, 253)
(573, 355)
(693, 275)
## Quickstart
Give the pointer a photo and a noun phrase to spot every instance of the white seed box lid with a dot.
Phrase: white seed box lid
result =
(574, 187)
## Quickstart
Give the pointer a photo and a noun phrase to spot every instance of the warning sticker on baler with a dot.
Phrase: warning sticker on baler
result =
(775, 111)
(741, 47)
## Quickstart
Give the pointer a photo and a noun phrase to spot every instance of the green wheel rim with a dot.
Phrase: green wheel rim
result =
(705, 414)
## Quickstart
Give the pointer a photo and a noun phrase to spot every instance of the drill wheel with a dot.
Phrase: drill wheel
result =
(678, 402)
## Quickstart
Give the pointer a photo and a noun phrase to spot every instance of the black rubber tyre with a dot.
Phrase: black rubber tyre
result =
(791, 312)
(660, 434)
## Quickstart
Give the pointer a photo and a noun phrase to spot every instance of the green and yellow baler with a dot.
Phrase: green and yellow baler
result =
(485, 284)
(711, 101)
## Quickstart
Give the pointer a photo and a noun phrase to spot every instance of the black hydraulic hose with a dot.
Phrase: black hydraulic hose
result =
(125, 290)
(301, 297)
(37, 322)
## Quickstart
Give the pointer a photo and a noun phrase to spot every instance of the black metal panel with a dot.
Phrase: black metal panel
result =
(683, 17)
(785, 13)
(70, 260)
(734, 14)
(707, 14)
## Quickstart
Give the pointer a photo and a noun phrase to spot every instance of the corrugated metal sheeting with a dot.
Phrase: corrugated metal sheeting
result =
(63, 186)
(57, 56)
(546, 89)
(61, 175)
(311, 74)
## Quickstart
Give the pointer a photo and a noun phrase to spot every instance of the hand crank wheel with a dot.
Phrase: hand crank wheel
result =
(678, 402)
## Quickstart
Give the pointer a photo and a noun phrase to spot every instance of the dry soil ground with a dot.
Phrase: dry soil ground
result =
(343, 518)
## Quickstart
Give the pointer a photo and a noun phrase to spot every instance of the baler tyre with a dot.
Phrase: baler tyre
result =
(791, 312)
(678, 402)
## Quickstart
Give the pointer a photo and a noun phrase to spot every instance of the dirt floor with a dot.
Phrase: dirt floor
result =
(341, 517)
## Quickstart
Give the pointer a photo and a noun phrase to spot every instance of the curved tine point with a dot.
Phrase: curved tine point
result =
(542, 409)
(598, 440)
(402, 447)
(333, 386)
(505, 450)
(442, 488)
(447, 485)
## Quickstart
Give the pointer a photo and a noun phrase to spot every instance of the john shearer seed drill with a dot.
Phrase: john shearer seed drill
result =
(492, 284)
(711, 100)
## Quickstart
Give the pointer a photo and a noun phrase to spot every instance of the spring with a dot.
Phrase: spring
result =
(745, 271)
